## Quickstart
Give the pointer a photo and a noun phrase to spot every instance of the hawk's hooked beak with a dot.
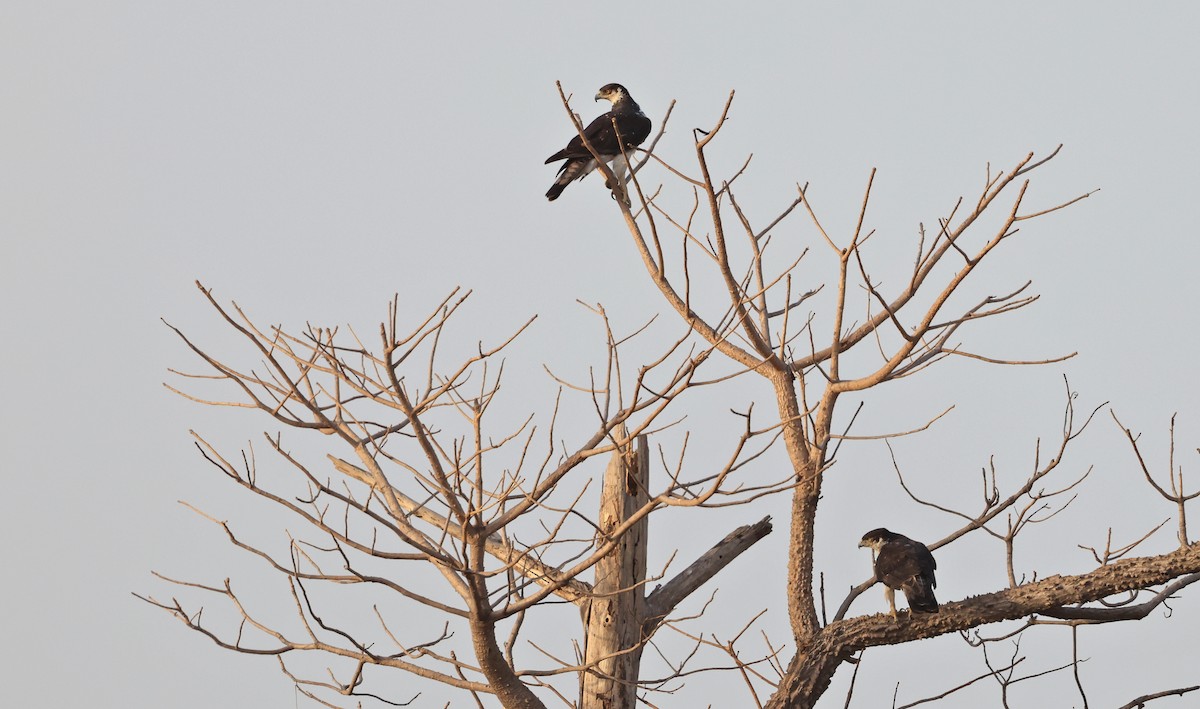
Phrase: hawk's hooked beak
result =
(862, 545)
(599, 96)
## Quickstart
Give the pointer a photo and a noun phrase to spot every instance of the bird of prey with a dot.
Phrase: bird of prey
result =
(633, 126)
(901, 563)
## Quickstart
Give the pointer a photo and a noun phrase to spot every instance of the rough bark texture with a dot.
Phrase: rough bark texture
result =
(615, 612)
(801, 604)
(814, 665)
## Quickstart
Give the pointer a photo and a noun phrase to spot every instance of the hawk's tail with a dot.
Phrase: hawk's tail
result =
(556, 189)
(919, 593)
(571, 170)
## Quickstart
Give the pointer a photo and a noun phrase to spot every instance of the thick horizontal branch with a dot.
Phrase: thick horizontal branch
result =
(815, 663)
(1049, 594)
(1108, 615)
(664, 599)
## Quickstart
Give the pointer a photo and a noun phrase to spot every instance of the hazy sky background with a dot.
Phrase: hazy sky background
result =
(311, 159)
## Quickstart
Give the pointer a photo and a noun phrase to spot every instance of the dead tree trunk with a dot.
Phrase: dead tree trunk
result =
(619, 617)
(613, 616)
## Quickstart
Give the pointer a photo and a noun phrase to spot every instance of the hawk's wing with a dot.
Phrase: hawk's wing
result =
(901, 559)
(907, 565)
(631, 126)
(634, 129)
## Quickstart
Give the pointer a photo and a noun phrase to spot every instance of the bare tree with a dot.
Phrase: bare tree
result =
(425, 496)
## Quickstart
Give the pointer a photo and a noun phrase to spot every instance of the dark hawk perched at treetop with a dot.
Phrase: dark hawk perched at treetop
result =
(901, 563)
(633, 126)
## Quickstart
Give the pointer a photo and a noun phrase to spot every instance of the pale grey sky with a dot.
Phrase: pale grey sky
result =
(310, 159)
